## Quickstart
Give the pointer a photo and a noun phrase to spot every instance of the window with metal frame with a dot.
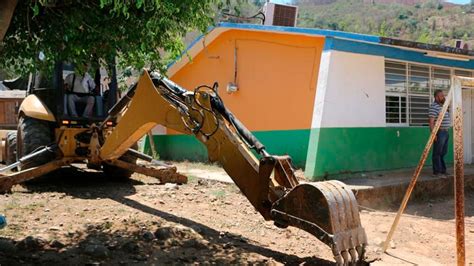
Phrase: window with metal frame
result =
(396, 97)
(409, 90)
(395, 109)
(463, 73)
(418, 94)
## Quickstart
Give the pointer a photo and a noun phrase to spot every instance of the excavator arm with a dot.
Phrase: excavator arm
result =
(328, 210)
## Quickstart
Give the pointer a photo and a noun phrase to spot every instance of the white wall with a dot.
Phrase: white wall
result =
(350, 91)
(159, 130)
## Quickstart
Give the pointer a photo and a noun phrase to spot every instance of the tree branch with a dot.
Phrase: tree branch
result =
(7, 8)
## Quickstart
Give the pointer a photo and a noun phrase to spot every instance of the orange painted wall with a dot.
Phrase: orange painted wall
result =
(276, 76)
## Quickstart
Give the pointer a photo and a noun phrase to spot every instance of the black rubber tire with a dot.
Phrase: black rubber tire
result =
(32, 134)
(117, 173)
(10, 146)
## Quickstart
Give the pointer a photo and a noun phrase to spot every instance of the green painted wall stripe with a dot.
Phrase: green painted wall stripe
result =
(278, 142)
(344, 150)
(178, 148)
(332, 151)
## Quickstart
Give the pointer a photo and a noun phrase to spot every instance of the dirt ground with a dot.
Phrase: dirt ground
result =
(78, 218)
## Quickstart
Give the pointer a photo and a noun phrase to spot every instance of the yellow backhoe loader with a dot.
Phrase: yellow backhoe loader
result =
(48, 139)
(327, 210)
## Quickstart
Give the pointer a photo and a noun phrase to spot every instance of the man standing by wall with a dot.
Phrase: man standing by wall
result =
(440, 146)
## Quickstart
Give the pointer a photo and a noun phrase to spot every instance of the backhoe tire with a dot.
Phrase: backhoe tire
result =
(117, 173)
(10, 148)
(33, 134)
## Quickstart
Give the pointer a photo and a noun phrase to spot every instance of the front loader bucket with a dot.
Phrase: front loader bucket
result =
(329, 211)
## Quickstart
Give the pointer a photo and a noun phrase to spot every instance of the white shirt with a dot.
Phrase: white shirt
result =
(81, 84)
(88, 82)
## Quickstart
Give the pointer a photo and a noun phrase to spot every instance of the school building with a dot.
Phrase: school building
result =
(336, 102)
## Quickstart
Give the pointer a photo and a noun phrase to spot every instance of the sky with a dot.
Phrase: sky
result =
(452, 1)
(460, 1)
(281, 1)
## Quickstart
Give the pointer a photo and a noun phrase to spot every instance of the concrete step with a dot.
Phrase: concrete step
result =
(391, 194)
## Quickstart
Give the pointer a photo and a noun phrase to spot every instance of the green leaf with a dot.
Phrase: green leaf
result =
(35, 9)
(134, 32)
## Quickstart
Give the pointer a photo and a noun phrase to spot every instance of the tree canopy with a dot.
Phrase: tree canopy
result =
(137, 33)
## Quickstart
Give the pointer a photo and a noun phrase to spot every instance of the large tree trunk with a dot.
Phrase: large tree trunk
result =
(7, 7)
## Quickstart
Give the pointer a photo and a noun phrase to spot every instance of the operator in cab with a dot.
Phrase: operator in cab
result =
(81, 89)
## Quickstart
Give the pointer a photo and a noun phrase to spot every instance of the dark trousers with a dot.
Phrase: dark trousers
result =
(440, 148)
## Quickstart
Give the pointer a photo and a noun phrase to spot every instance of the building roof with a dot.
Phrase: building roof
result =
(427, 46)
(443, 55)
(12, 94)
(303, 31)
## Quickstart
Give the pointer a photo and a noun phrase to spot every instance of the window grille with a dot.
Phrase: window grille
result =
(409, 90)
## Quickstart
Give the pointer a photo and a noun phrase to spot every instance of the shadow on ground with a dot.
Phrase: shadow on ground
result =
(99, 244)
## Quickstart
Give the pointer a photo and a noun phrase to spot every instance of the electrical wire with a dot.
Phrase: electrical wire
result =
(260, 13)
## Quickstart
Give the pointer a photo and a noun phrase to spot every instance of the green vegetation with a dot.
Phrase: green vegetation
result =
(136, 33)
(151, 33)
(219, 193)
(430, 22)
(192, 178)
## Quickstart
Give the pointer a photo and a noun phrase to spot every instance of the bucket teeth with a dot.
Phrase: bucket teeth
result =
(352, 256)
(339, 260)
(361, 251)
(329, 211)
(345, 256)
(348, 233)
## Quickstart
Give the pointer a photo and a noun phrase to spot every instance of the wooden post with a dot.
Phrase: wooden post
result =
(421, 163)
(152, 145)
(459, 173)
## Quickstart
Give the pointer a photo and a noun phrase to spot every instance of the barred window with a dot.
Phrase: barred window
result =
(463, 73)
(409, 90)
(396, 109)
(395, 77)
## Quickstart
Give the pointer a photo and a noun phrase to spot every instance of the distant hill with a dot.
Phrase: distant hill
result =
(423, 21)
(402, 2)
(317, 2)
(408, 2)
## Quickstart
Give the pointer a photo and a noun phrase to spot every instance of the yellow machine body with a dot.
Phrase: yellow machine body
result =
(33, 107)
(65, 137)
(327, 210)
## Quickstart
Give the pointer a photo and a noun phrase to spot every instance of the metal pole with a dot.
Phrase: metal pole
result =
(152, 145)
(9, 167)
(421, 163)
(459, 172)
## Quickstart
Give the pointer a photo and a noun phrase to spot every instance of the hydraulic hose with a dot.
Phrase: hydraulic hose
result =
(255, 144)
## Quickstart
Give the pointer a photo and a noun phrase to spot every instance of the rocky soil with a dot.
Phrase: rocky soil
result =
(78, 217)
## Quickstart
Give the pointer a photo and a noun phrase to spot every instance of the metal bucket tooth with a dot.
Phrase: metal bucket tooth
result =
(345, 256)
(329, 211)
(348, 257)
(353, 254)
(339, 260)
(361, 251)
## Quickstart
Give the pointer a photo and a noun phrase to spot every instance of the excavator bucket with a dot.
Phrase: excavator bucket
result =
(329, 211)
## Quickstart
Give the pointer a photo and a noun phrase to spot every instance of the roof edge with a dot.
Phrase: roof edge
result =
(212, 32)
(426, 46)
